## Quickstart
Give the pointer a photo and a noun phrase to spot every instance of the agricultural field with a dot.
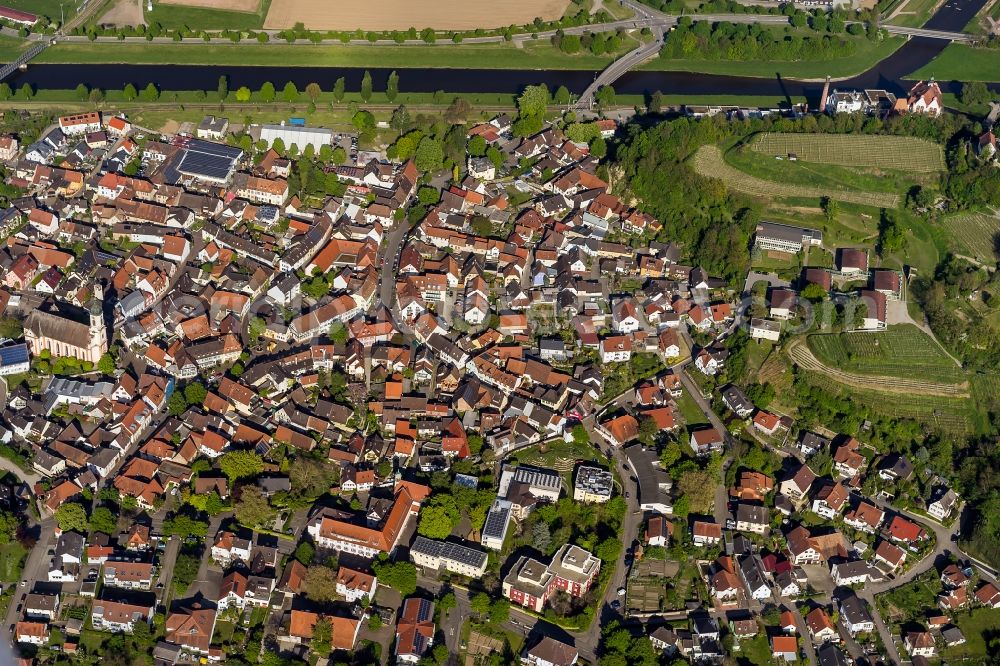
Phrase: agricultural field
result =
(900, 351)
(209, 14)
(974, 235)
(899, 153)
(815, 174)
(952, 415)
(710, 162)
(405, 14)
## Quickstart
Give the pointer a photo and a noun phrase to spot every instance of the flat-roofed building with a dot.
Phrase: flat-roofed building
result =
(317, 137)
(497, 522)
(592, 484)
(785, 238)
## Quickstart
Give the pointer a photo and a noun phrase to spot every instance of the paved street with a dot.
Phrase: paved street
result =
(35, 569)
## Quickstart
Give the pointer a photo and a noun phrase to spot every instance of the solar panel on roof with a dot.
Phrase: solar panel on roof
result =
(14, 355)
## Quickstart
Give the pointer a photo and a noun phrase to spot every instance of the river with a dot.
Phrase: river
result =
(887, 74)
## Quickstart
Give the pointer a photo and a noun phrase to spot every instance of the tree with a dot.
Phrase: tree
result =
(400, 119)
(241, 465)
(96, 96)
(605, 97)
(533, 101)
(366, 86)
(429, 156)
(457, 111)
(8, 526)
(435, 522)
(195, 393)
(392, 86)
(72, 517)
(223, 88)
(5, 91)
(599, 147)
(130, 93)
(313, 91)
(813, 292)
(26, 91)
(339, 88)
(243, 94)
(176, 404)
(477, 146)
(82, 92)
(183, 526)
(656, 102)
(562, 96)
(446, 602)
(253, 510)
(107, 364)
(975, 93)
(698, 487)
(150, 93)
(364, 121)
(322, 635)
(428, 195)
(480, 604)
(103, 521)
(831, 208)
(267, 92)
(401, 576)
(290, 92)
(891, 234)
(256, 328)
(320, 583)
(304, 553)
(499, 611)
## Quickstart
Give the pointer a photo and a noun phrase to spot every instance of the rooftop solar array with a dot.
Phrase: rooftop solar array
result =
(451, 551)
(497, 519)
(13, 355)
(205, 159)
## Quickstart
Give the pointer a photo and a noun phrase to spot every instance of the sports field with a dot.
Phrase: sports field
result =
(974, 235)
(900, 351)
(855, 150)
(406, 14)
(710, 162)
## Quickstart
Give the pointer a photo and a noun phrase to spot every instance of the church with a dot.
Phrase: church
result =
(67, 330)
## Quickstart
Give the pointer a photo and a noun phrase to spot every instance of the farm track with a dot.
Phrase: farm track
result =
(803, 356)
(709, 162)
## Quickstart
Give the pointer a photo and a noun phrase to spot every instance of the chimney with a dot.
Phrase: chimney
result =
(826, 92)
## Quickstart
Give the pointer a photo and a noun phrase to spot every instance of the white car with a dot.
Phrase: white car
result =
(621, 591)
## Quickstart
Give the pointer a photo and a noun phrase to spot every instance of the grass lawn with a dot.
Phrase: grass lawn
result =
(765, 101)
(690, 410)
(12, 557)
(914, 13)
(975, 625)
(866, 55)
(756, 651)
(173, 17)
(534, 55)
(899, 351)
(962, 63)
